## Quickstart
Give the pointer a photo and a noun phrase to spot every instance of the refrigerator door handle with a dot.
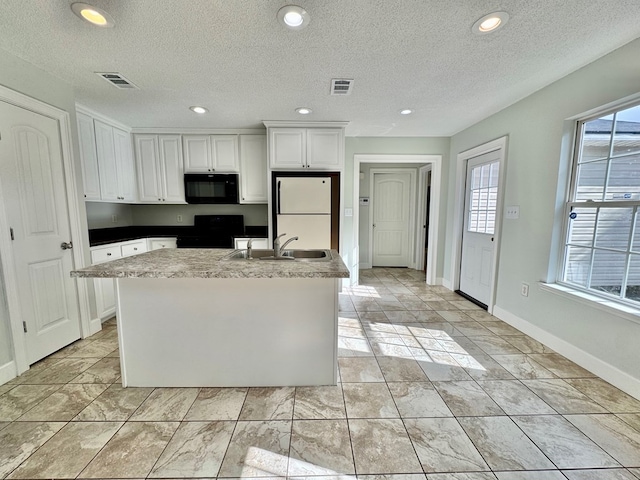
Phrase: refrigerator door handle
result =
(278, 197)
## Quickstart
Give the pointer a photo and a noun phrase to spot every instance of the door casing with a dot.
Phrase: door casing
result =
(80, 241)
(461, 174)
(436, 179)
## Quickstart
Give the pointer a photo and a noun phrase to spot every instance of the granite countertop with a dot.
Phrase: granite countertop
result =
(209, 263)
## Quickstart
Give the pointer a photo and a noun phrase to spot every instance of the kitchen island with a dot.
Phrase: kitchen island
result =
(191, 318)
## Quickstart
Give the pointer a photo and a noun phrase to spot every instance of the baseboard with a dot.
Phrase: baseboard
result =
(604, 370)
(8, 372)
(95, 325)
(365, 266)
(444, 282)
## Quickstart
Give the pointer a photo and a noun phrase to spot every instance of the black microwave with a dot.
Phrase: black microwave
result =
(211, 187)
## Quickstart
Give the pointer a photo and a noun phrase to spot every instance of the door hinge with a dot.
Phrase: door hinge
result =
(24, 326)
(11, 230)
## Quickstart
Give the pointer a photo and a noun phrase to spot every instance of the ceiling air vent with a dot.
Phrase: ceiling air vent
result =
(116, 79)
(341, 86)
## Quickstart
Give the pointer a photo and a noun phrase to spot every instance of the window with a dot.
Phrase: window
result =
(602, 248)
(483, 198)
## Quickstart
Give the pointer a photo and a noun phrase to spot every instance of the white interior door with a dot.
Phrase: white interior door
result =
(478, 234)
(34, 194)
(391, 219)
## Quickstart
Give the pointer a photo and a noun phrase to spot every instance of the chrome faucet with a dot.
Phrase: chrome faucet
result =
(249, 245)
(277, 249)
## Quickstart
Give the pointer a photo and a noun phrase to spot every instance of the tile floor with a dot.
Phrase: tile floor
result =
(432, 388)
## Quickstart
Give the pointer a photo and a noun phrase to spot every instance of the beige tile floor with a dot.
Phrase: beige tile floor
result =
(432, 388)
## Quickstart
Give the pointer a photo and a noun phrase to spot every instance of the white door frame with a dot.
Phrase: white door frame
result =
(461, 175)
(421, 214)
(73, 204)
(412, 209)
(436, 183)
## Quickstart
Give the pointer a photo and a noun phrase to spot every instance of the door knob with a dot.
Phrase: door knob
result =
(66, 245)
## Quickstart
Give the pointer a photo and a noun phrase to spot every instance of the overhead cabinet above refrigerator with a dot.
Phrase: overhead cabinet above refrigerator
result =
(306, 207)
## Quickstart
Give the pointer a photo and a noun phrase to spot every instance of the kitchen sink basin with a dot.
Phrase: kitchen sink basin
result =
(299, 255)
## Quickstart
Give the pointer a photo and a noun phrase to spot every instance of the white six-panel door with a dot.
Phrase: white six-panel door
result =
(391, 219)
(34, 194)
(478, 235)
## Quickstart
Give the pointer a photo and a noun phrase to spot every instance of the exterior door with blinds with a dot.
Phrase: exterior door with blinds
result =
(478, 235)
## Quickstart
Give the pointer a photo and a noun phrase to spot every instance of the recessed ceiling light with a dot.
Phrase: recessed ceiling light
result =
(490, 23)
(93, 15)
(199, 110)
(293, 17)
(303, 110)
(406, 111)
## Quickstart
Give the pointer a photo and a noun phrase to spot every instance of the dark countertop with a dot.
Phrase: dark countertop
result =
(103, 236)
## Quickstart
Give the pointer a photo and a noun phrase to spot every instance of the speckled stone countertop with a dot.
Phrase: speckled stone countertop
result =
(209, 263)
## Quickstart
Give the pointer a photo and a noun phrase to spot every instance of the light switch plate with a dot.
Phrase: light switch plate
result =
(348, 212)
(512, 212)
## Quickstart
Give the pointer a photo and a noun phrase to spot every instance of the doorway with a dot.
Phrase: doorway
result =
(353, 256)
(41, 239)
(479, 187)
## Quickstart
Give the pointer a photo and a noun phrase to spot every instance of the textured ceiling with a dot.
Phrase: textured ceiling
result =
(233, 57)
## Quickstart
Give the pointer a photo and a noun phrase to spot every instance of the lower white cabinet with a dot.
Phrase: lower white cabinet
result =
(158, 243)
(105, 287)
(261, 243)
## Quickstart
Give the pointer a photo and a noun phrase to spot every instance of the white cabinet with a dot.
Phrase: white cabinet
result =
(253, 169)
(87, 139)
(115, 163)
(105, 287)
(210, 153)
(158, 243)
(160, 168)
(241, 243)
(308, 148)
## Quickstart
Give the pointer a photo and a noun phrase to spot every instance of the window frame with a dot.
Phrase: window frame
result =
(570, 203)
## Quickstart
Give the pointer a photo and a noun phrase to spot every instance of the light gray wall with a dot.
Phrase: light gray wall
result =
(536, 177)
(100, 215)
(23, 77)
(392, 146)
(168, 214)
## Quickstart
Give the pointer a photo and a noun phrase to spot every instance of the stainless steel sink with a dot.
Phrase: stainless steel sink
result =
(291, 255)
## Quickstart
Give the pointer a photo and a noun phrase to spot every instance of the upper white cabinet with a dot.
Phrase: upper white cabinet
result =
(310, 148)
(115, 163)
(253, 169)
(90, 175)
(160, 168)
(210, 153)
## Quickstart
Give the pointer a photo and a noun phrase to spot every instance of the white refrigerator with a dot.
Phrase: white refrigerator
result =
(303, 208)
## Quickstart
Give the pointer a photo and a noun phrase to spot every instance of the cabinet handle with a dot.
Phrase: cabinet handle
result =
(135, 248)
(108, 254)
(159, 199)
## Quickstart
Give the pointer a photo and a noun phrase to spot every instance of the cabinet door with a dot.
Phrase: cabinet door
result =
(105, 297)
(325, 148)
(171, 168)
(106, 153)
(125, 168)
(224, 153)
(287, 147)
(197, 153)
(147, 165)
(90, 175)
(253, 169)
(158, 243)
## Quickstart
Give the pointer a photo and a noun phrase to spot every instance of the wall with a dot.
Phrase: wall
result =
(167, 214)
(393, 146)
(23, 77)
(100, 215)
(536, 178)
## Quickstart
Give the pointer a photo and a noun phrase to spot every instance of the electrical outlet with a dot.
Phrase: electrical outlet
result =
(179, 218)
(524, 289)
(512, 212)
(114, 218)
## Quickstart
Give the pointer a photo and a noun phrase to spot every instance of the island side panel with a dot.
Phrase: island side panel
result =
(216, 332)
